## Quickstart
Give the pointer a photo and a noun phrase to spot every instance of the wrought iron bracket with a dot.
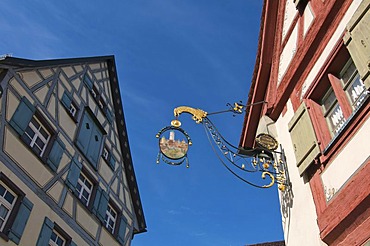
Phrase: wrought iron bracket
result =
(264, 159)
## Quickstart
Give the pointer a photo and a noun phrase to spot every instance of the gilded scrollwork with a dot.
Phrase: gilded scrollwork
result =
(198, 114)
(271, 177)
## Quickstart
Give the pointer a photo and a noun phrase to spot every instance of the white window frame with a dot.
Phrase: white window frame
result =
(72, 109)
(105, 154)
(38, 135)
(109, 217)
(6, 204)
(84, 187)
(101, 105)
(54, 243)
(95, 92)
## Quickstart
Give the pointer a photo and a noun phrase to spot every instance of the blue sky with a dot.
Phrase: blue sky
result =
(198, 53)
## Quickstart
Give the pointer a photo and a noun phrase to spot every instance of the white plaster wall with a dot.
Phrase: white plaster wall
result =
(308, 17)
(289, 14)
(298, 209)
(288, 53)
(347, 161)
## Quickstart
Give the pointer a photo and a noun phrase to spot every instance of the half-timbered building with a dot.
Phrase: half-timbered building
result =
(66, 172)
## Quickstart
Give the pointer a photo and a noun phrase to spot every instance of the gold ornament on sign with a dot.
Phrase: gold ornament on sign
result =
(198, 114)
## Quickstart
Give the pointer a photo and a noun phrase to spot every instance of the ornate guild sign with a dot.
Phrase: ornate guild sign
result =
(173, 145)
(267, 141)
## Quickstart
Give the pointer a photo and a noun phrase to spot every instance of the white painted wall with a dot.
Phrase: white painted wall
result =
(297, 207)
(289, 13)
(288, 53)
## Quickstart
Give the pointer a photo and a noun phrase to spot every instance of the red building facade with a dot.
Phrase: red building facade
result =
(312, 71)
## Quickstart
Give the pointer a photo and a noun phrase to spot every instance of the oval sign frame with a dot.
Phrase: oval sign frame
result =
(267, 141)
(173, 148)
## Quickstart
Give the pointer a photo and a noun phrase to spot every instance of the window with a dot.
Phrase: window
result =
(56, 239)
(95, 92)
(88, 82)
(90, 138)
(81, 183)
(105, 154)
(109, 215)
(344, 96)
(109, 115)
(70, 105)
(110, 218)
(109, 158)
(36, 136)
(7, 201)
(91, 87)
(332, 112)
(98, 98)
(84, 189)
(353, 85)
(52, 234)
(15, 209)
(36, 133)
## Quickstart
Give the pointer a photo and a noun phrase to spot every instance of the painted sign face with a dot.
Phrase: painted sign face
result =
(267, 141)
(173, 144)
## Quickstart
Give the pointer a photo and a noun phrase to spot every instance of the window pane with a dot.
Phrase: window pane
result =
(113, 213)
(60, 242)
(53, 236)
(85, 194)
(336, 119)
(44, 133)
(9, 197)
(346, 76)
(356, 91)
(3, 212)
(78, 187)
(88, 184)
(30, 132)
(328, 101)
(35, 123)
(3, 216)
(40, 143)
